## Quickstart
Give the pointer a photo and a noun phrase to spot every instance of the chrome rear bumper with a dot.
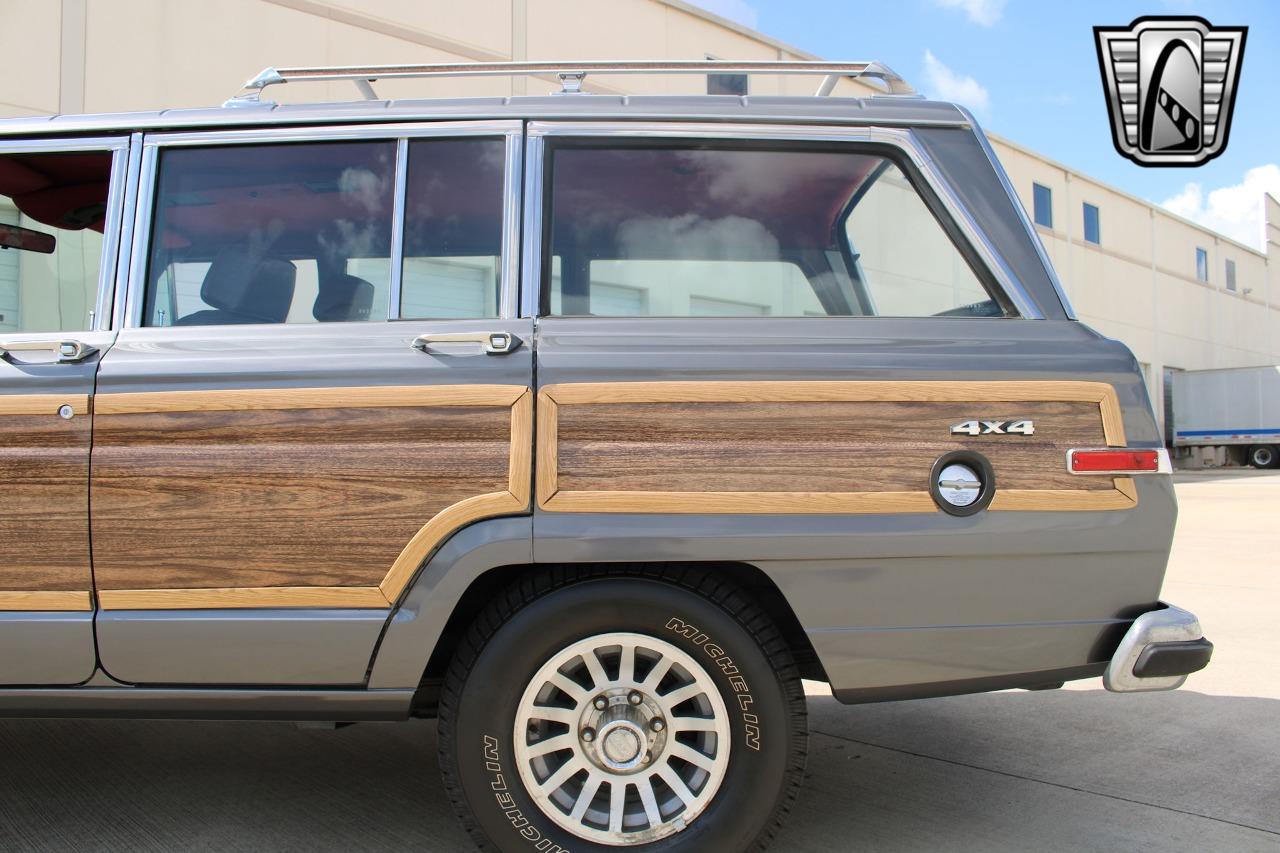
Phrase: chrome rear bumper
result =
(1158, 652)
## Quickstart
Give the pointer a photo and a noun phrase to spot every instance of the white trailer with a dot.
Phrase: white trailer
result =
(1229, 413)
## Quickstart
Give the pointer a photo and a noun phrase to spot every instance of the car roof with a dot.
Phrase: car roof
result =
(888, 110)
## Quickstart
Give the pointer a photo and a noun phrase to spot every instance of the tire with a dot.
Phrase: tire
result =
(1264, 456)
(745, 716)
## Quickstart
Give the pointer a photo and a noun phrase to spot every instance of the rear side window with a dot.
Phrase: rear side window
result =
(302, 233)
(453, 229)
(743, 232)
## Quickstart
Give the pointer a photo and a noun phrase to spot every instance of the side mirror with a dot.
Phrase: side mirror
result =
(17, 237)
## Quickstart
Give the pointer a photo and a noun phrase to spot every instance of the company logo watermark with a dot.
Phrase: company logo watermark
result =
(1171, 85)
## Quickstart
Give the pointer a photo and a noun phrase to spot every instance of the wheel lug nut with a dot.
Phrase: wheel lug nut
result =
(588, 735)
(601, 703)
(657, 724)
(648, 757)
(635, 698)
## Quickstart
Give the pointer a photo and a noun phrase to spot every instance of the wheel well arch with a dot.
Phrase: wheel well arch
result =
(753, 581)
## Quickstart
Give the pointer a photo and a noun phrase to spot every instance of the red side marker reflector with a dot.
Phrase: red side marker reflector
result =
(1098, 461)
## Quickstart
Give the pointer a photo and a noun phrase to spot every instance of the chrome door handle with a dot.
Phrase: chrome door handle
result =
(493, 343)
(67, 351)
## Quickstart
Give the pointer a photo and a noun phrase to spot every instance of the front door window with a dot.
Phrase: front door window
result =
(53, 211)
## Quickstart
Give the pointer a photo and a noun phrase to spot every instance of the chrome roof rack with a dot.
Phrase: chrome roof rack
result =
(571, 74)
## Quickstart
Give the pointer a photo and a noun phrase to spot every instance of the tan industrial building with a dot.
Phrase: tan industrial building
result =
(1181, 296)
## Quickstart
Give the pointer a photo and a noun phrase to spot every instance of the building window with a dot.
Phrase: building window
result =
(726, 84)
(1202, 264)
(1042, 201)
(1231, 274)
(1092, 230)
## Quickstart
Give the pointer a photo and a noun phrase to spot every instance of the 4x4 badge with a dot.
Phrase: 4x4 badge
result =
(1022, 427)
(1170, 84)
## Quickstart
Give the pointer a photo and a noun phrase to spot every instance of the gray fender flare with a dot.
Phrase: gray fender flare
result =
(415, 627)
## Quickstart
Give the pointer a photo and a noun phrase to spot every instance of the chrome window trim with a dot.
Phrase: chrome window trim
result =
(531, 269)
(902, 140)
(511, 130)
(1021, 209)
(401, 179)
(112, 233)
(128, 233)
(512, 181)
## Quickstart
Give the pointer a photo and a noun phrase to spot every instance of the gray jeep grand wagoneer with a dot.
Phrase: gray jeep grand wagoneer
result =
(587, 424)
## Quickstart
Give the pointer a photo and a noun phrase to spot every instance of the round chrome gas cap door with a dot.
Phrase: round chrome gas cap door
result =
(962, 482)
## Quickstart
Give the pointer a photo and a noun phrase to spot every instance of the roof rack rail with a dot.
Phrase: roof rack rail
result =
(571, 74)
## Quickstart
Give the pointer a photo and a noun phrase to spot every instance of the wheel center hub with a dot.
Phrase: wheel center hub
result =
(622, 742)
(618, 733)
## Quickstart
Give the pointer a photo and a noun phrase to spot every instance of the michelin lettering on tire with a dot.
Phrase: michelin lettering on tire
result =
(741, 690)
(507, 803)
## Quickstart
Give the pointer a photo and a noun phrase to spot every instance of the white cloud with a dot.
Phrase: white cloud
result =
(984, 12)
(946, 85)
(1236, 210)
(739, 11)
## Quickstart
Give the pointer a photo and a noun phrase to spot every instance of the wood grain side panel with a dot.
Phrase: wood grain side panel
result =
(264, 498)
(852, 446)
(819, 447)
(44, 520)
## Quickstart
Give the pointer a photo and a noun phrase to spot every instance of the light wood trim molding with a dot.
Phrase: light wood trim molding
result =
(232, 597)
(1060, 500)
(258, 399)
(552, 397)
(548, 447)
(438, 529)
(42, 404)
(443, 524)
(457, 516)
(521, 463)
(923, 391)
(745, 503)
(45, 600)
(1127, 487)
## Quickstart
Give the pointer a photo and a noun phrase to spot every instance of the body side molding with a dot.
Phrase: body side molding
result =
(158, 703)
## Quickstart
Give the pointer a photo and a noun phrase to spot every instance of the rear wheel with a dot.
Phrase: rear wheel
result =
(1264, 456)
(659, 712)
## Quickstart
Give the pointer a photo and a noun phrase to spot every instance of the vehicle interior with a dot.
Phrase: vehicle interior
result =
(745, 215)
(302, 232)
(65, 191)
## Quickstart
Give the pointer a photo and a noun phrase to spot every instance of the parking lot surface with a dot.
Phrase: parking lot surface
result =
(1074, 769)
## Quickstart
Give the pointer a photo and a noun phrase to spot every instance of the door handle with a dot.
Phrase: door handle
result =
(68, 351)
(493, 343)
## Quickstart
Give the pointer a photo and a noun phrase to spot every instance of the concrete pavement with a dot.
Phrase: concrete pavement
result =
(1076, 769)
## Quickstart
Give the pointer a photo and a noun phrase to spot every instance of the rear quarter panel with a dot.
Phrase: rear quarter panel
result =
(906, 597)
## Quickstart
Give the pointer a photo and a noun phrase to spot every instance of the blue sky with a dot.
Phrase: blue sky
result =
(1029, 70)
